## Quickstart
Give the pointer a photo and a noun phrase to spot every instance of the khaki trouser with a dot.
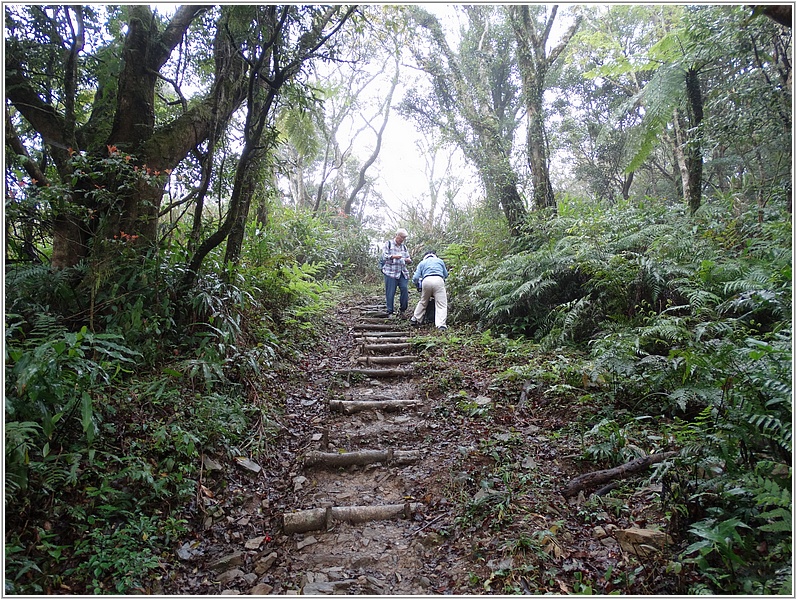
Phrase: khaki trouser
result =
(433, 285)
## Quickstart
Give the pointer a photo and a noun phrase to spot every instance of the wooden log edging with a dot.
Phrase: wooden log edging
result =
(348, 407)
(387, 336)
(375, 327)
(597, 477)
(323, 518)
(361, 457)
(385, 360)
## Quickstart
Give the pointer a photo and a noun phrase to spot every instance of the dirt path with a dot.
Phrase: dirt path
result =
(382, 556)
(467, 472)
(261, 534)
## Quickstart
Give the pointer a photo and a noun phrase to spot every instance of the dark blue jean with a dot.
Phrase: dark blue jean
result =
(390, 293)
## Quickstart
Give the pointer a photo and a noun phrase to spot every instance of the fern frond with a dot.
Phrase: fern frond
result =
(575, 313)
(667, 329)
(662, 94)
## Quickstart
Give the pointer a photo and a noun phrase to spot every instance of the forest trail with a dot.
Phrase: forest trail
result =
(386, 476)
(385, 544)
(310, 524)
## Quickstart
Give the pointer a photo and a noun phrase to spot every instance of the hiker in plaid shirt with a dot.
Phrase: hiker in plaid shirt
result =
(396, 258)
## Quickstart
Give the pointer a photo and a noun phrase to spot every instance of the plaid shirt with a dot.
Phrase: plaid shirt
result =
(395, 267)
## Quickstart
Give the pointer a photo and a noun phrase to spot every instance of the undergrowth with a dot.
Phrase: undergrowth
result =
(668, 332)
(630, 330)
(114, 398)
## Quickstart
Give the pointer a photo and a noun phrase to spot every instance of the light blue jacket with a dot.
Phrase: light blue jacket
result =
(431, 265)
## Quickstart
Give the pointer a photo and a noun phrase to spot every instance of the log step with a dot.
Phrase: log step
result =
(381, 335)
(323, 518)
(375, 326)
(383, 341)
(361, 457)
(385, 360)
(352, 406)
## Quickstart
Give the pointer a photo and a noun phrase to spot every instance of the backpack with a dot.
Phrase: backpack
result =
(382, 254)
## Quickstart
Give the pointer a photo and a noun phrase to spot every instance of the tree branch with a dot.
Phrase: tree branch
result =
(30, 165)
(173, 34)
(43, 117)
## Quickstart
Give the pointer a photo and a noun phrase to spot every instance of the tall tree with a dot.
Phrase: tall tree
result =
(747, 131)
(595, 122)
(385, 110)
(355, 101)
(119, 120)
(711, 53)
(532, 26)
(115, 116)
(290, 36)
(474, 100)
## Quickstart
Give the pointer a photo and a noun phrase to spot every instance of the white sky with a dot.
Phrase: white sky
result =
(400, 169)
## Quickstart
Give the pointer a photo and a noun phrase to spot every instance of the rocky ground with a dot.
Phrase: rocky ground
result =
(470, 479)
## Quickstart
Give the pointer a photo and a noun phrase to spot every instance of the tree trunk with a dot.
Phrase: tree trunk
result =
(499, 178)
(70, 240)
(537, 147)
(249, 187)
(694, 145)
(134, 120)
(627, 181)
(239, 200)
(679, 150)
(505, 190)
(534, 63)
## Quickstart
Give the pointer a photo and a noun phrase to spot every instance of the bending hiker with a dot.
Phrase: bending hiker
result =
(395, 259)
(431, 275)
